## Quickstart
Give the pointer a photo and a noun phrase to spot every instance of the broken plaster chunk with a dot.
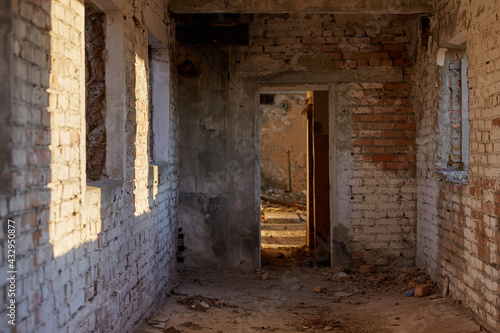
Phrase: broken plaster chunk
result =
(204, 305)
(422, 290)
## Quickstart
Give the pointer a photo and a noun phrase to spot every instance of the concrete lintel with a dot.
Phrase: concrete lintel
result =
(312, 6)
(291, 88)
(105, 5)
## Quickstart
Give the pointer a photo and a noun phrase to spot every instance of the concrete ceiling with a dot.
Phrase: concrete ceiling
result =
(309, 6)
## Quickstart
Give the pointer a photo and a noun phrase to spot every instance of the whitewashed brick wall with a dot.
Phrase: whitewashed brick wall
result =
(457, 232)
(89, 259)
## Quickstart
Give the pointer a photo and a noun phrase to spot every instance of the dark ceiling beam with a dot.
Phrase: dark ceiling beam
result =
(302, 6)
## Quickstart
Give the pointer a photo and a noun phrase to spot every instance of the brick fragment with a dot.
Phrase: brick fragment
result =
(422, 290)
(367, 269)
(320, 290)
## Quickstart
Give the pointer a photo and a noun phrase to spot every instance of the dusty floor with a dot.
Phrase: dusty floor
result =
(291, 298)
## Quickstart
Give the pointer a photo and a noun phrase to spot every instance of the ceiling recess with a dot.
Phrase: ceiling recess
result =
(212, 29)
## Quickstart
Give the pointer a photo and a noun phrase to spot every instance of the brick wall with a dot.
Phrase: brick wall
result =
(365, 60)
(29, 199)
(458, 221)
(89, 258)
(375, 125)
(425, 106)
(327, 42)
(481, 208)
(381, 189)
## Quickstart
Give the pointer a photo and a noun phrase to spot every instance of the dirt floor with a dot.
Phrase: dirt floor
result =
(292, 294)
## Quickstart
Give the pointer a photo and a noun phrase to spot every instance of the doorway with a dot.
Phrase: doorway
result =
(294, 177)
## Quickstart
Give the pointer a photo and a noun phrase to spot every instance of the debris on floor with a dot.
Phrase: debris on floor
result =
(319, 323)
(422, 290)
(172, 330)
(200, 303)
(367, 269)
(156, 324)
(192, 326)
(289, 301)
(320, 289)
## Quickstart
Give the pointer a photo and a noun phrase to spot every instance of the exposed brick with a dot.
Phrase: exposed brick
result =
(362, 142)
(372, 118)
(385, 157)
(377, 55)
(422, 290)
(396, 86)
(394, 47)
(382, 39)
(384, 142)
(355, 56)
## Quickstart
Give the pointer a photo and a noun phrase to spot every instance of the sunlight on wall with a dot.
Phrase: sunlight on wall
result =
(67, 119)
(141, 162)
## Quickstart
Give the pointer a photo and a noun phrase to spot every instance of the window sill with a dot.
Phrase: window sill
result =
(453, 176)
(106, 191)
